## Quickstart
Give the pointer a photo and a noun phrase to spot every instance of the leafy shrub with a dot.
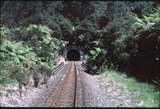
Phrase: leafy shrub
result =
(147, 21)
(24, 48)
(14, 57)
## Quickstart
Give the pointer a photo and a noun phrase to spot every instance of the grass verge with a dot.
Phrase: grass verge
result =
(146, 94)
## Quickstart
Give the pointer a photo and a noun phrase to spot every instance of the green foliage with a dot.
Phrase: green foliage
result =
(44, 44)
(14, 58)
(35, 44)
(147, 21)
(119, 39)
(125, 44)
(4, 32)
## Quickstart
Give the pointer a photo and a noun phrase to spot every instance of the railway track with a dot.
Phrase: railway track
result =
(68, 90)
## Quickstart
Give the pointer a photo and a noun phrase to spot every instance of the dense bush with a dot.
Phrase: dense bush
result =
(15, 57)
(22, 49)
(129, 44)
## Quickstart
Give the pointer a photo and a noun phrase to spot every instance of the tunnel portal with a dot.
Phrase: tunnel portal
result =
(73, 54)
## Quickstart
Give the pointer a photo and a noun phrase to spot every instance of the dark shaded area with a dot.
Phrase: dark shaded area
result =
(145, 64)
(73, 55)
(103, 21)
(73, 10)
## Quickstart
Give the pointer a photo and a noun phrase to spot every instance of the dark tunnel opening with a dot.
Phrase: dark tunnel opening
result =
(73, 55)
